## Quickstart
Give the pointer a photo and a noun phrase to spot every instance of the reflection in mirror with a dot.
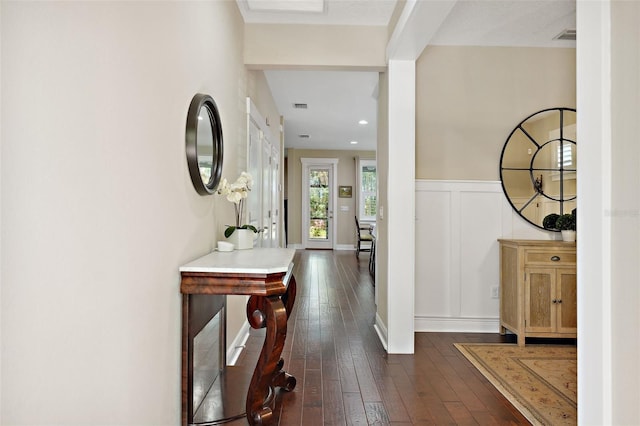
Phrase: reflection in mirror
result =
(204, 144)
(538, 165)
(207, 360)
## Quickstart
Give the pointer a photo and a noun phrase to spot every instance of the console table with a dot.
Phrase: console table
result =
(264, 274)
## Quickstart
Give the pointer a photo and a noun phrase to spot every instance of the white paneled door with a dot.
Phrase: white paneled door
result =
(263, 159)
(254, 201)
(275, 196)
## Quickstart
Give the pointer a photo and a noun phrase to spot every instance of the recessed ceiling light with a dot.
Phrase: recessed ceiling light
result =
(353, 142)
(363, 122)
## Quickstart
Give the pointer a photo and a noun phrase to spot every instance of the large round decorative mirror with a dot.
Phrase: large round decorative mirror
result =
(204, 144)
(538, 165)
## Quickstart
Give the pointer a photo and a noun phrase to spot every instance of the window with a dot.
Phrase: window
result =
(564, 153)
(564, 158)
(367, 190)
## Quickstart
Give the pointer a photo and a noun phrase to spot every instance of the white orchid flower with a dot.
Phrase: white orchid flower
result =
(236, 193)
(236, 187)
(246, 178)
(223, 188)
(234, 197)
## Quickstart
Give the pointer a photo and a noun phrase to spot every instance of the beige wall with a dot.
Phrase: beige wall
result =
(98, 210)
(468, 99)
(260, 94)
(305, 46)
(346, 176)
(382, 248)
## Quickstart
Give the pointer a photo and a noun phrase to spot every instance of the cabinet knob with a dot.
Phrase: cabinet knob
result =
(554, 301)
(555, 258)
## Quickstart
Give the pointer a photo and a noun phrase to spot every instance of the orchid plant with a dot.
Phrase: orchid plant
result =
(237, 193)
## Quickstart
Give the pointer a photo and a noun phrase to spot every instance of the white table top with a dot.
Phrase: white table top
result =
(252, 261)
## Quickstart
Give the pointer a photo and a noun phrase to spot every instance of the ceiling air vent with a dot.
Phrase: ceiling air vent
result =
(300, 106)
(566, 35)
(303, 136)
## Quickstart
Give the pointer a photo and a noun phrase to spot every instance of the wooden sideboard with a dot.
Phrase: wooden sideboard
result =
(266, 276)
(538, 288)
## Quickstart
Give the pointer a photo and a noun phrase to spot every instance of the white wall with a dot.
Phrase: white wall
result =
(98, 210)
(398, 209)
(458, 224)
(609, 206)
(1, 132)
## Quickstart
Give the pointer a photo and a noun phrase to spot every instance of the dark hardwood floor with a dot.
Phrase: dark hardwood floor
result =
(344, 376)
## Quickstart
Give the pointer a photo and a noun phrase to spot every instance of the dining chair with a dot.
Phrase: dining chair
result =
(363, 237)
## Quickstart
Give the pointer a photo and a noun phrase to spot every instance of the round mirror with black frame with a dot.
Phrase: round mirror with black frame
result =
(204, 144)
(538, 165)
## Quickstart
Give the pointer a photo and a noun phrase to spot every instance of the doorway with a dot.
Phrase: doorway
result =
(318, 201)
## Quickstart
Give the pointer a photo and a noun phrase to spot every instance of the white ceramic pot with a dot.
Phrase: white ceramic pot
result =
(568, 235)
(242, 239)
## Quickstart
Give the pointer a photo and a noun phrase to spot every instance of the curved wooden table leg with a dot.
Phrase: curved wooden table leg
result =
(289, 297)
(270, 312)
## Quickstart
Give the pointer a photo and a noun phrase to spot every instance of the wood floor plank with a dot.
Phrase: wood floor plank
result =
(354, 409)
(312, 400)
(396, 410)
(368, 387)
(332, 404)
(376, 414)
(460, 414)
(290, 411)
(329, 359)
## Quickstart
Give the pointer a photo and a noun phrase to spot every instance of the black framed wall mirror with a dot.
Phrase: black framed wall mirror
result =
(204, 144)
(539, 163)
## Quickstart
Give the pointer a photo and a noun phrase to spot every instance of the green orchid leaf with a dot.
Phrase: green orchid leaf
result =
(253, 228)
(229, 231)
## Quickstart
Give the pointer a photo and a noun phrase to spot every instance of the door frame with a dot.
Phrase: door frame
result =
(332, 163)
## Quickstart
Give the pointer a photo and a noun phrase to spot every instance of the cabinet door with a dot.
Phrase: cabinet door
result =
(539, 289)
(567, 301)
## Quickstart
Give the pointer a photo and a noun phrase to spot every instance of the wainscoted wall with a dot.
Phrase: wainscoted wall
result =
(458, 224)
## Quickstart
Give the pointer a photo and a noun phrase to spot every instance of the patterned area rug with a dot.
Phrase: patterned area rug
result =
(539, 380)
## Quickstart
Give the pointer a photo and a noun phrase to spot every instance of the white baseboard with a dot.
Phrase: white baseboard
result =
(295, 246)
(381, 330)
(237, 346)
(456, 325)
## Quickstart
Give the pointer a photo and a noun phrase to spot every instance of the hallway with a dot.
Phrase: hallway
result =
(344, 375)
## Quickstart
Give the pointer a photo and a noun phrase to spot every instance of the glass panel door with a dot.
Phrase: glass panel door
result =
(318, 204)
(318, 188)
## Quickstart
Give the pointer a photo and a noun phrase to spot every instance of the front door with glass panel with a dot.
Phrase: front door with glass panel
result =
(318, 220)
